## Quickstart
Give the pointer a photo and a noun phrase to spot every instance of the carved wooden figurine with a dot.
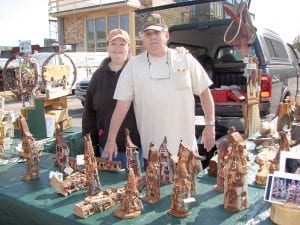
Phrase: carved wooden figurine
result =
(223, 152)
(152, 176)
(235, 182)
(98, 203)
(132, 155)
(188, 165)
(31, 151)
(92, 177)
(283, 146)
(130, 205)
(165, 163)
(105, 164)
(72, 183)
(62, 151)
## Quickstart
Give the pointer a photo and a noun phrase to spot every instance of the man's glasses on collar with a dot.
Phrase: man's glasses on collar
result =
(157, 76)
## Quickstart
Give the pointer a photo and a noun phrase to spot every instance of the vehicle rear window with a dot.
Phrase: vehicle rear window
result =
(276, 49)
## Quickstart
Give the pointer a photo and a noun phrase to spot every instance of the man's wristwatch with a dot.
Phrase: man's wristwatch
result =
(210, 123)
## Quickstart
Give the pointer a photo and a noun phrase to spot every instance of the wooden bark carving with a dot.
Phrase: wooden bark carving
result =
(187, 167)
(235, 182)
(31, 151)
(152, 176)
(72, 183)
(130, 205)
(165, 163)
(62, 151)
(132, 155)
(92, 177)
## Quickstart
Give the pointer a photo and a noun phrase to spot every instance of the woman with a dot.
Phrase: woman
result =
(100, 104)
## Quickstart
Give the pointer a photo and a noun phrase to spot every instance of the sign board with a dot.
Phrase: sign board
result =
(25, 46)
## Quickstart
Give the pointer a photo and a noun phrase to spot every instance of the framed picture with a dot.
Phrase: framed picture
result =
(285, 188)
(289, 162)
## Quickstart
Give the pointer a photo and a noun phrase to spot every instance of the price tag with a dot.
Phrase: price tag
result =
(58, 175)
(189, 200)
(80, 160)
(68, 170)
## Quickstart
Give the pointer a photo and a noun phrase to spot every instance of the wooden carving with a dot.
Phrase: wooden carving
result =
(132, 155)
(165, 163)
(152, 176)
(223, 152)
(235, 182)
(188, 165)
(72, 183)
(62, 151)
(31, 151)
(130, 205)
(98, 203)
(283, 146)
(92, 177)
(104, 164)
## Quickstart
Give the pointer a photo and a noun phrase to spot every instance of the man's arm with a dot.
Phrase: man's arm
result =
(117, 119)
(209, 133)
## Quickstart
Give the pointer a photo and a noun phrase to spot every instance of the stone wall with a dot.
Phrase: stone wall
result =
(74, 30)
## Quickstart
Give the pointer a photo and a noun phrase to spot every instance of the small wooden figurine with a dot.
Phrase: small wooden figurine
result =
(104, 164)
(72, 183)
(130, 205)
(98, 203)
(31, 151)
(92, 177)
(235, 182)
(62, 151)
(152, 176)
(132, 155)
(165, 163)
(188, 165)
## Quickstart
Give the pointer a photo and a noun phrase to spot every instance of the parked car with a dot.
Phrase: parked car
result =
(201, 28)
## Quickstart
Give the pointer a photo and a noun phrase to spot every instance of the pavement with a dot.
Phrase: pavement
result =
(74, 107)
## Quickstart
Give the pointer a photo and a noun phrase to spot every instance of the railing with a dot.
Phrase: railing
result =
(56, 6)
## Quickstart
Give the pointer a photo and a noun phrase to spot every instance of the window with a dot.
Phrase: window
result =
(100, 33)
(112, 23)
(124, 22)
(90, 34)
(276, 49)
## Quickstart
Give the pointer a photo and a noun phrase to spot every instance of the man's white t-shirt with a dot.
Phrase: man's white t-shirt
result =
(162, 93)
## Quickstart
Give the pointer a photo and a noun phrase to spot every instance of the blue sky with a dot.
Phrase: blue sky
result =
(28, 19)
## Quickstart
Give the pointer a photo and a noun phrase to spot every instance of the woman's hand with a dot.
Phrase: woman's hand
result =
(208, 137)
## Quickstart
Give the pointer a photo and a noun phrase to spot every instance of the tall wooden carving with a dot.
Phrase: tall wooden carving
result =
(92, 177)
(132, 155)
(152, 176)
(187, 167)
(223, 152)
(235, 182)
(62, 151)
(165, 163)
(130, 205)
(31, 151)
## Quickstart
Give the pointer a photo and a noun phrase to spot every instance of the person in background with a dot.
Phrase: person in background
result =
(161, 83)
(99, 104)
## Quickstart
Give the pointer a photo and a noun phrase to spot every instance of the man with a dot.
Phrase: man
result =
(161, 83)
